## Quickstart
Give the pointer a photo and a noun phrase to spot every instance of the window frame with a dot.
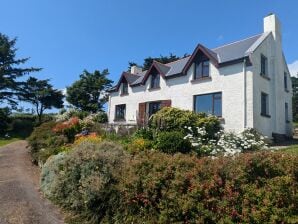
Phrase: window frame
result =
(213, 100)
(154, 77)
(266, 72)
(116, 117)
(265, 113)
(286, 81)
(149, 107)
(201, 75)
(124, 89)
(287, 112)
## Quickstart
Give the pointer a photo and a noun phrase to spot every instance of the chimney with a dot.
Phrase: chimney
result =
(272, 24)
(135, 70)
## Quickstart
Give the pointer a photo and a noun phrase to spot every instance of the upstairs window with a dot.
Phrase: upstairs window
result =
(201, 69)
(286, 112)
(209, 104)
(264, 65)
(153, 108)
(155, 81)
(120, 111)
(124, 88)
(264, 104)
(286, 81)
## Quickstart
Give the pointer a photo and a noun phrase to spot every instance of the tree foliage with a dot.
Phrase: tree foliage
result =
(295, 98)
(41, 94)
(10, 69)
(89, 92)
(162, 59)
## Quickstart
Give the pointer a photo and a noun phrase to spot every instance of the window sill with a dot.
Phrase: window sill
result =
(124, 94)
(154, 88)
(265, 115)
(265, 77)
(201, 79)
(119, 120)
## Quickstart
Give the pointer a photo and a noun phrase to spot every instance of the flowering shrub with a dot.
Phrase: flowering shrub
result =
(69, 128)
(139, 144)
(228, 143)
(92, 138)
(67, 114)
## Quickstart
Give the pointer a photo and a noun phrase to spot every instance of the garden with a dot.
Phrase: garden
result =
(182, 168)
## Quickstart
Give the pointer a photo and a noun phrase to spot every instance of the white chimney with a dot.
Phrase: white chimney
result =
(135, 70)
(272, 24)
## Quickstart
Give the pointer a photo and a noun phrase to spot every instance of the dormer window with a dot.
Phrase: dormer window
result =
(155, 81)
(124, 88)
(201, 69)
(264, 66)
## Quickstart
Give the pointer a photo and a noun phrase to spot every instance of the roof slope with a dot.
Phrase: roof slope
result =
(223, 54)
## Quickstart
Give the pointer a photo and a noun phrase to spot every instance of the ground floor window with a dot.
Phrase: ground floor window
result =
(264, 104)
(120, 112)
(209, 104)
(153, 107)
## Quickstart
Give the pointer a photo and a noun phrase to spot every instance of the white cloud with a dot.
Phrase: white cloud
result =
(293, 67)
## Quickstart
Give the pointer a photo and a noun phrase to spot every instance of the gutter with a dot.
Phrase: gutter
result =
(244, 94)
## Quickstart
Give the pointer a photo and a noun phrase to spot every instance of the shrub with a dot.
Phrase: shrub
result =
(93, 138)
(138, 145)
(254, 188)
(101, 117)
(145, 133)
(173, 119)
(68, 128)
(4, 120)
(87, 182)
(44, 142)
(172, 142)
(50, 172)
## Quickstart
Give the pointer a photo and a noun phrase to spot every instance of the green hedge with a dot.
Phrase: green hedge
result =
(101, 183)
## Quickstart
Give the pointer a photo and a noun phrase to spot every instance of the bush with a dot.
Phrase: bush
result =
(138, 145)
(44, 142)
(101, 117)
(145, 133)
(68, 128)
(4, 120)
(254, 188)
(87, 182)
(172, 142)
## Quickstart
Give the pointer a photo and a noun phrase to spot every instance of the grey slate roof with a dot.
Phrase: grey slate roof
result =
(223, 54)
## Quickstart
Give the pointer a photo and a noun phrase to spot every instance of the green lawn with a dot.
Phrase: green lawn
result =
(7, 141)
(293, 149)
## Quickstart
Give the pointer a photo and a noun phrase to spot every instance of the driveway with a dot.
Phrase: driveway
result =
(20, 198)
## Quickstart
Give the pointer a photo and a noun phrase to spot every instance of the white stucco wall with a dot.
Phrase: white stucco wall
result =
(228, 80)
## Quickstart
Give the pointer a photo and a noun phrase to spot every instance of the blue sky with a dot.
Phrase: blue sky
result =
(66, 36)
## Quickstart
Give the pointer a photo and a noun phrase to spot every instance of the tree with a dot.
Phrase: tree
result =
(162, 59)
(295, 98)
(10, 70)
(40, 94)
(89, 92)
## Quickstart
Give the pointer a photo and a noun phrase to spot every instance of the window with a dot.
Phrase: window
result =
(209, 104)
(285, 81)
(124, 88)
(153, 108)
(264, 104)
(120, 112)
(201, 69)
(286, 112)
(264, 65)
(155, 80)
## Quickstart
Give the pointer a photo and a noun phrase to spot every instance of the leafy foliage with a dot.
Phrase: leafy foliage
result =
(4, 119)
(41, 95)
(10, 70)
(172, 142)
(89, 92)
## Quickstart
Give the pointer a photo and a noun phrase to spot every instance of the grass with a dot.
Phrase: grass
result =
(293, 149)
(7, 141)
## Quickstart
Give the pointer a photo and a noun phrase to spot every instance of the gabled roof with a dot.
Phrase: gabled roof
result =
(220, 56)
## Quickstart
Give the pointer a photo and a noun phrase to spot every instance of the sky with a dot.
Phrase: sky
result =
(64, 37)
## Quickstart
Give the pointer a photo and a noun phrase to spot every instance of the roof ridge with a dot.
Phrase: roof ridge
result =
(160, 63)
(236, 41)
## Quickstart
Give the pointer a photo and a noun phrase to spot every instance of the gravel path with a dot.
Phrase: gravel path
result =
(20, 198)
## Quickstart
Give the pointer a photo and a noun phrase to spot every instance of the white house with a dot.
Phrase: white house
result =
(246, 83)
